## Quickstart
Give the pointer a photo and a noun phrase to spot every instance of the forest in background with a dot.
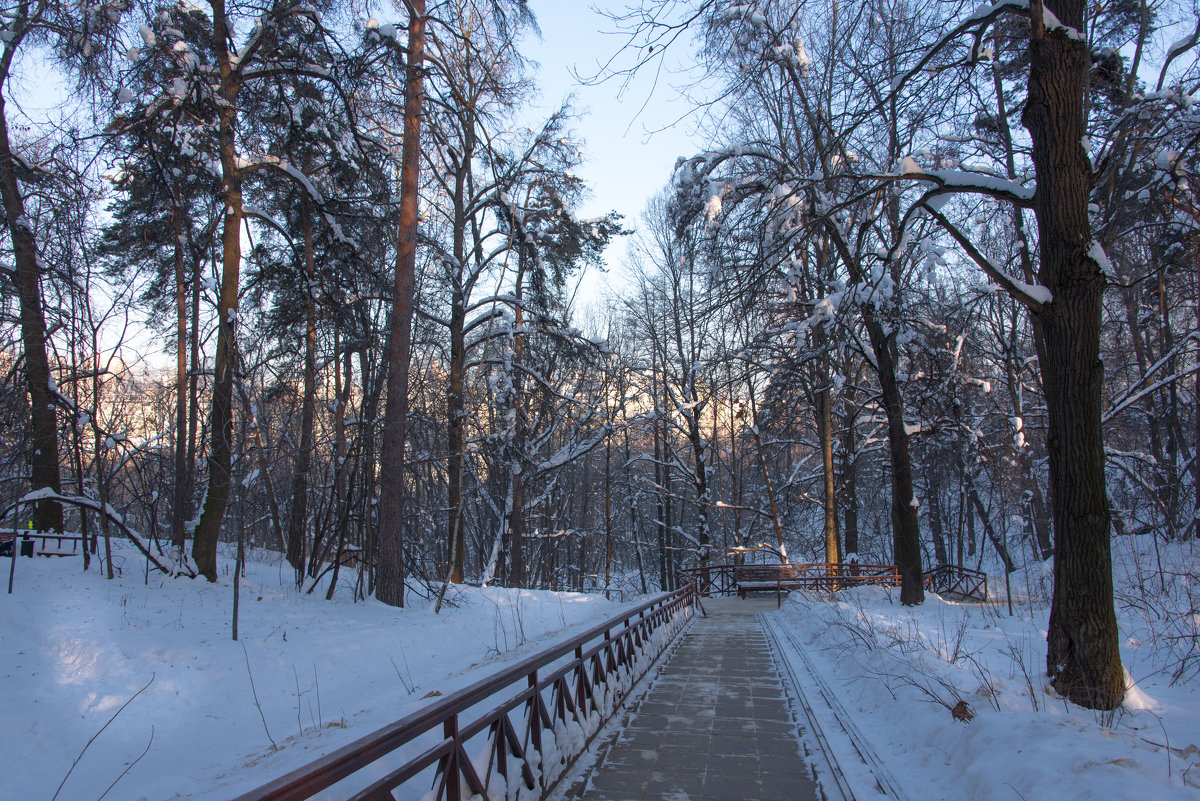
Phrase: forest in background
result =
(857, 327)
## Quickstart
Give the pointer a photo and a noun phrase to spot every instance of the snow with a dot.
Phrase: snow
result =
(1053, 24)
(74, 648)
(1180, 46)
(1036, 292)
(898, 672)
(1097, 254)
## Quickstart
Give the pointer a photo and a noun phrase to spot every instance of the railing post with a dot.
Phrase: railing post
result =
(582, 709)
(451, 774)
(534, 722)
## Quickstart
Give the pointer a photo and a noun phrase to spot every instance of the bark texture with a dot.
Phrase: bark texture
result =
(1082, 657)
(220, 455)
(389, 586)
(48, 515)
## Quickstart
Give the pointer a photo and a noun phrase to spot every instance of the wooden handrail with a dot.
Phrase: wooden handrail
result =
(619, 651)
(727, 579)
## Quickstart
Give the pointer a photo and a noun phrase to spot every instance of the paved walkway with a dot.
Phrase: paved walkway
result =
(713, 726)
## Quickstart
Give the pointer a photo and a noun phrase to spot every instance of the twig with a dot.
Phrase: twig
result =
(407, 688)
(317, 684)
(1015, 790)
(97, 734)
(254, 692)
(131, 764)
(299, 720)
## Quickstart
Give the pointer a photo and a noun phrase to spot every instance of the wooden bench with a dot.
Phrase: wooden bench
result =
(765, 578)
(25, 543)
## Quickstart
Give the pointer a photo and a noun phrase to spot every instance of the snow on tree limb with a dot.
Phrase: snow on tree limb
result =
(965, 182)
(1033, 296)
(48, 494)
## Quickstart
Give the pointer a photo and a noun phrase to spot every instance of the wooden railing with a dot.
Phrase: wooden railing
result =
(956, 580)
(727, 579)
(512, 735)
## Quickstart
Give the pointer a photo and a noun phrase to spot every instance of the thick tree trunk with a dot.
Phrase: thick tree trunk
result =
(48, 515)
(220, 454)
(1082, 658)
(390, 579)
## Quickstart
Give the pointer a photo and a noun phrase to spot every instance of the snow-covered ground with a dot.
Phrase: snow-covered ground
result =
(901, 671)
(75, 648)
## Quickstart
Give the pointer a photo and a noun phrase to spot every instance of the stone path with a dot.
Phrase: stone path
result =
(714, 725)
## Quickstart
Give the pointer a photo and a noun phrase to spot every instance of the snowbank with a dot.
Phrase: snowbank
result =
(902, 671)
(74, 648)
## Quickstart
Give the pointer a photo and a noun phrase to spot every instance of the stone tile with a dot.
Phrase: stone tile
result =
(733, 745)
(693, 740)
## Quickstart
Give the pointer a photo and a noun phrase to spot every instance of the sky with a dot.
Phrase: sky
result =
(625, 164)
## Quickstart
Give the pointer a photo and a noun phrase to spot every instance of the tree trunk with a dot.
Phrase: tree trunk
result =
(1082, 658)
(850, 482)
(208, 531)
(824, 413)
(608, 516)
(456, 386)
(179, 505)
(372, 386)
(48, 515)
(193, 431)
(390, 581)
(456, 433)
(933, 511)
(298, 518)
(906, 537)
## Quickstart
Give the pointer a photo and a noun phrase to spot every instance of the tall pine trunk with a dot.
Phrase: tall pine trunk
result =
(48, 515)
(390, 573)
(204, 543)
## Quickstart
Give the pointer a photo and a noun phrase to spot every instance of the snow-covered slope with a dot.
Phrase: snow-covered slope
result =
(75, 648)
(901, 671)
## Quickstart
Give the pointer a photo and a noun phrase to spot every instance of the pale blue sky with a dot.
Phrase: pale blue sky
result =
(625, 165)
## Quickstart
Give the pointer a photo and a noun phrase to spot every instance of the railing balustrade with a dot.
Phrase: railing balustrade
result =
(510, 736)
(731, 579)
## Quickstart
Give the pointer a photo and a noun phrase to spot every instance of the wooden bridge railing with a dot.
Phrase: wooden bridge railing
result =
(511, 735)
(956, 580)
(729, 579)
(726, 579)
